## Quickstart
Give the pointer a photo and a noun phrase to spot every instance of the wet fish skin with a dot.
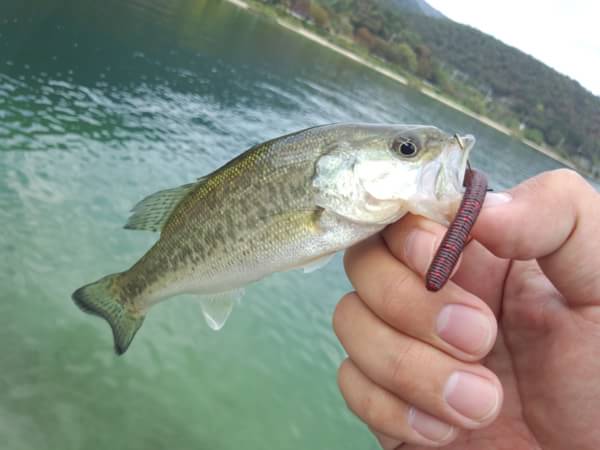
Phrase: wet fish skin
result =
(280, 205)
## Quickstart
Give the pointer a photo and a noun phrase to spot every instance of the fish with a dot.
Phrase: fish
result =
(289, 203)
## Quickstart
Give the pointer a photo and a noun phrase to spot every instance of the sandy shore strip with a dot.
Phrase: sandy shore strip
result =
(446, 101)
(497, 126)
(400, 79)
(550, 154)
(336, 48)
(240, 3)
(426, 91)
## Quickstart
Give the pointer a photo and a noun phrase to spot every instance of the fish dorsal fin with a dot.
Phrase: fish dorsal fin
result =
(152, 213)
(216, 308)
(318, 263)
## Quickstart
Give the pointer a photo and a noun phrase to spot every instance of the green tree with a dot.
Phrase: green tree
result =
(319, 14)
(554, 137)
(535, 135)
(424, 65)
(301, 7)
(473, 68)
(439, 76)
(408, 58)
(365, 37)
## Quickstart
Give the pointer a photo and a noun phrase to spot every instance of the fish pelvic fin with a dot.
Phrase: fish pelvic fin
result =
(102, 298)
(216, 308)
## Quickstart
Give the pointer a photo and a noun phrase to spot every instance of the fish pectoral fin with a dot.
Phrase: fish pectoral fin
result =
(216, 308)
(152, 213)
(318, 263)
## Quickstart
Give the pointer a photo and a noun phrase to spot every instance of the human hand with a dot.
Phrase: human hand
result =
(507, 354)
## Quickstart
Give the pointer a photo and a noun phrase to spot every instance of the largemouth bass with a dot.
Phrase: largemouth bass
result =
(289, 203)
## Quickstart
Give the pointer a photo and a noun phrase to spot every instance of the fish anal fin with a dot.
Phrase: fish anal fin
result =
(216, 308)
(152, 213)
(318, 263)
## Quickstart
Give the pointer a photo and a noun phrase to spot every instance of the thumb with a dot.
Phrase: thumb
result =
(554, 218)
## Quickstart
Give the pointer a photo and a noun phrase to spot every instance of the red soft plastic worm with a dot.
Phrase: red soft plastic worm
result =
(456, 237)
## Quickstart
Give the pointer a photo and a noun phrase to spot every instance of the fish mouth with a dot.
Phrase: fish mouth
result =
(451, 176)
(466, 143)
(440, 188)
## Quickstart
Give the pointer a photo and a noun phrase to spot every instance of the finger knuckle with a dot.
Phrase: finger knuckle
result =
(567, 177)
(371, 410)
(348, 259)
(512, 245)
(342, 312)
(567, 181)
(342, 375)
(351, 257)
(523, 247)
(391, 294)
(404, 357)
(552, 181)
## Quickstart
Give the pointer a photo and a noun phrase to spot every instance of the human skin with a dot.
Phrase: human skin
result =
(507, 354)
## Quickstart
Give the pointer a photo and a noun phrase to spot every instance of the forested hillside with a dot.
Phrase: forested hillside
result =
(416, 6)
(475, 69)
(554, 108)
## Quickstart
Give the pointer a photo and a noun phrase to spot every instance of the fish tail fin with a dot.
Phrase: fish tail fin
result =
(102, 299)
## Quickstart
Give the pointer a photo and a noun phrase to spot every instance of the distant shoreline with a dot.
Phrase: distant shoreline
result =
(400, 79)
(336, 48)
(240, 3)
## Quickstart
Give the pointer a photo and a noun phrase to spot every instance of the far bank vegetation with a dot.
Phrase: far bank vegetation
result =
(478, 71)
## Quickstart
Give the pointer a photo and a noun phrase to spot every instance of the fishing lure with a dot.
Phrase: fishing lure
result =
(455, 239)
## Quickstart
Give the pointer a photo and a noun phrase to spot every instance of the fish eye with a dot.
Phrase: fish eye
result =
(406, 148)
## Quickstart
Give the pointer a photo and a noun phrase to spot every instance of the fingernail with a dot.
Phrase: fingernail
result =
(472, 396)
(465, 328)
(496, 199)
(428, 426)
(419, 248)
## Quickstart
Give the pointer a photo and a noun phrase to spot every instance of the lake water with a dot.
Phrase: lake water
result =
(102, 103)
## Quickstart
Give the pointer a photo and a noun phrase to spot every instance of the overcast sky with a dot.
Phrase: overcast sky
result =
(564, 34)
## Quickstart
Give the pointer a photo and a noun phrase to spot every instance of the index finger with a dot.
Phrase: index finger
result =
(554, 218)
(457, 322)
